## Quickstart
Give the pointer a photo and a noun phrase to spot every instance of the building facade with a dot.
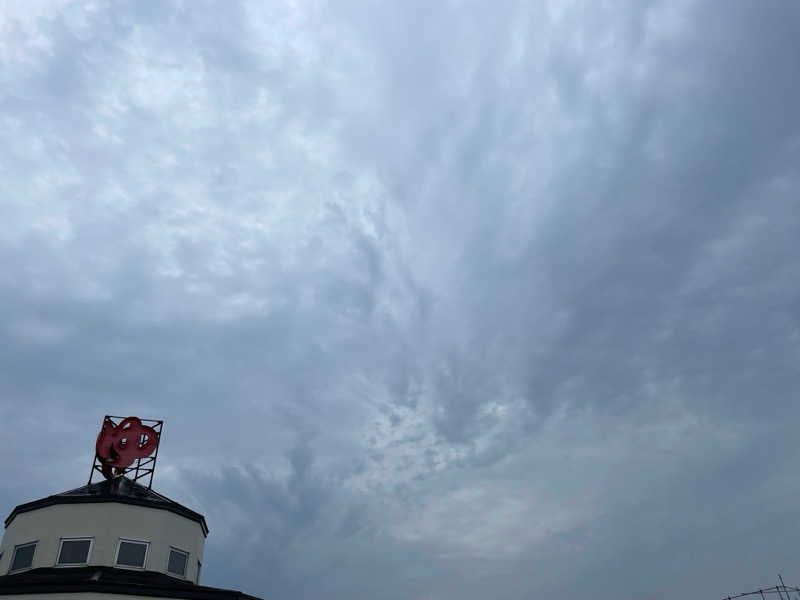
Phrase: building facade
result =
(110, 539)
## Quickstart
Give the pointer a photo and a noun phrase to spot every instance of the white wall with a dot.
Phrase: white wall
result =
(106, 523)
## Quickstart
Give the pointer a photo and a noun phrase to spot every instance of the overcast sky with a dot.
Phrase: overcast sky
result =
(438, 300)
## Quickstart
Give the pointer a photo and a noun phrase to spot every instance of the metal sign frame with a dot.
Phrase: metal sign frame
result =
(142, 467)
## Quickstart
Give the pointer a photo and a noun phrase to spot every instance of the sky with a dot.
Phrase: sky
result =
(437, 300)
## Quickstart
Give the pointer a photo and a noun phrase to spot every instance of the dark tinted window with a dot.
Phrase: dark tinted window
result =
(199, 567)
(131, 554)
(74, 552)
(177, 562)
(23, 557)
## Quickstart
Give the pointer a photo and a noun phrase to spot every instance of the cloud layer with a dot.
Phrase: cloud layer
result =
(436, 300)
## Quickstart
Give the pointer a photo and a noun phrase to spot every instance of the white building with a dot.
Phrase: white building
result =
(110, 539)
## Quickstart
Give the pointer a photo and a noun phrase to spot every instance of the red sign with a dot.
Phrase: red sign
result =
(118, 446)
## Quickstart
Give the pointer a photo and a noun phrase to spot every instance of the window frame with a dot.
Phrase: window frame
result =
(185, 567)
(11, 568)
(132, 541)
(74, 539)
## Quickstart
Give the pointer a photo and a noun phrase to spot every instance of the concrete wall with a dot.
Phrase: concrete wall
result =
(106, 523)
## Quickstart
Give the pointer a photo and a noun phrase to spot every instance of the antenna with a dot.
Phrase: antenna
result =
(780, 590)
(127, 445)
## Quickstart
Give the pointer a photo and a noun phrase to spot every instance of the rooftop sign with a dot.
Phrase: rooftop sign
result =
(125, 446)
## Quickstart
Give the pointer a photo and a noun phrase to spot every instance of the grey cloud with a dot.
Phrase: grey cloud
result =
(437, 301)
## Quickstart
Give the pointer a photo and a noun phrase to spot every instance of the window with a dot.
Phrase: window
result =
(23, 556)
(199, 566)
(131, 553)
(177, 562)
(74, 551)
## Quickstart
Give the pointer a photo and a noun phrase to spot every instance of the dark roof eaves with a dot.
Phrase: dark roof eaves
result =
(122, 589)
(112, 588)
(52, 580)
(60, 499)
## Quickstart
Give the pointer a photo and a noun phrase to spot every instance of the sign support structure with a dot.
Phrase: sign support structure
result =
(127, 446)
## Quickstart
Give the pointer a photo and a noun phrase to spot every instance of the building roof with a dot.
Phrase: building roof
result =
(111, 580)
(119, 489)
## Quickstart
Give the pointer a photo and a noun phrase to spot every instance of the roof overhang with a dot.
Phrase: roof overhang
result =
(107, 491)
(109, 580)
